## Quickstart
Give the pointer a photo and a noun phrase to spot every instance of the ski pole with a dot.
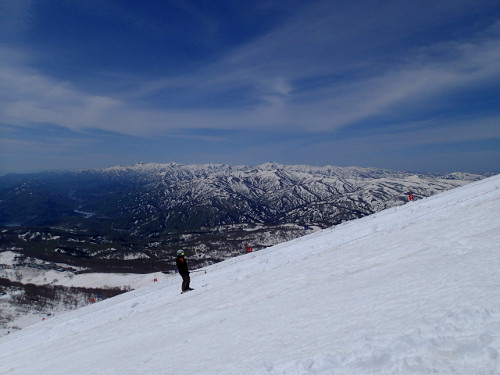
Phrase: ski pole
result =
(204, 271)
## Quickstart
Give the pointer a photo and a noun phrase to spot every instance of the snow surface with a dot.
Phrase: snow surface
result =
(414, 289)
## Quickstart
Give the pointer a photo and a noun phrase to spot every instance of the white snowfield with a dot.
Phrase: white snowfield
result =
(411, 290)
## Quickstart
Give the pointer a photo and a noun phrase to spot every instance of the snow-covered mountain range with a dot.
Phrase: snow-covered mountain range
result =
(215, 195)
(160, 198)
(413, 289)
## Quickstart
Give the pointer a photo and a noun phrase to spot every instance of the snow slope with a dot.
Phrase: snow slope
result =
(411, 290)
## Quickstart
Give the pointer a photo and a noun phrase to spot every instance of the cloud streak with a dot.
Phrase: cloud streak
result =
(29, 97)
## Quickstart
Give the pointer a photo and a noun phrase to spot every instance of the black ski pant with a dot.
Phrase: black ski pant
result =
(185, 281)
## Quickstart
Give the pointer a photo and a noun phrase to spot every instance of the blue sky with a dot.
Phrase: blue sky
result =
(407, 85)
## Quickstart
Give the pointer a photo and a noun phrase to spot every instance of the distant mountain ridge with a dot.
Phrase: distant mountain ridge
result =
(157, 198)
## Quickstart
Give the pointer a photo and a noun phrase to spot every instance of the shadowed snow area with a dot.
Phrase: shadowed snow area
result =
(412, 289)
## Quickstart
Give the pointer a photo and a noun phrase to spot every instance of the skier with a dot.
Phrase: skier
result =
(182, 267)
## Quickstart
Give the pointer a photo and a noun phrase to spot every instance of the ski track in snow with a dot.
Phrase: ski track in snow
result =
(414, 289)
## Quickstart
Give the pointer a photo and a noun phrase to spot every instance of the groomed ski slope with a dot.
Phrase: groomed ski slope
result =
(411, 290)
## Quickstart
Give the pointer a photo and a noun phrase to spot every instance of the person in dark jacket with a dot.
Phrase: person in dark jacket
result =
(183, 269)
